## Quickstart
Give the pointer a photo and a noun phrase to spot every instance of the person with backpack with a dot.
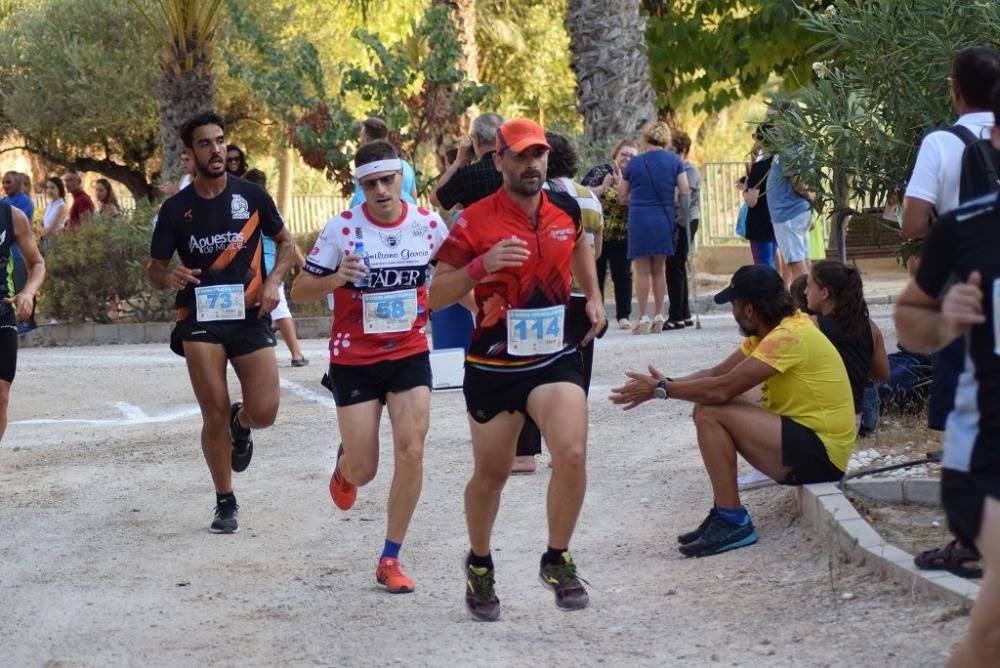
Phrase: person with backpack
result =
(954, 296)
(935, 188)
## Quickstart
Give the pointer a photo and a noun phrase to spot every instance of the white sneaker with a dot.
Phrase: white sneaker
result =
(643, 326)
(753, 480)
(624, 324)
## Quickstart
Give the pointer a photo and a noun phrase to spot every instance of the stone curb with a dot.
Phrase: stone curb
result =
(828, 512)
(921, 491)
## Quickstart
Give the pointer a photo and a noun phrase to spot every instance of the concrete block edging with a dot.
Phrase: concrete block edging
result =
(826, 510)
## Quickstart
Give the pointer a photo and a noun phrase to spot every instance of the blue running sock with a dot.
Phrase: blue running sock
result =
(390, 550)
(737, 517)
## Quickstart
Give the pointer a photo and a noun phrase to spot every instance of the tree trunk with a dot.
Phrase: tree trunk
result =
(285, 167)
(182, 95)
(608, 54)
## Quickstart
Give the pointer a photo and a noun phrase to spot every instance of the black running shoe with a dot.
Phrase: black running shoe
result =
(480, 596)
(720, 536)
(242, 440)
(226, 512)
(563, 580)
(692, 536)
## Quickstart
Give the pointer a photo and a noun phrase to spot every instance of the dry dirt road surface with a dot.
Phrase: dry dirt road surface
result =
(105, 557)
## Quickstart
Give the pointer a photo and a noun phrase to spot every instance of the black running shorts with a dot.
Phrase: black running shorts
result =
(8, 347)
(489, 393)
(804, 452)
(356, 384)
(963, 496)
(238, 337)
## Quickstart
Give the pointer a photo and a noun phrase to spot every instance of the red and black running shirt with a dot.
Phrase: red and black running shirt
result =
(221, 236)
(542, 281)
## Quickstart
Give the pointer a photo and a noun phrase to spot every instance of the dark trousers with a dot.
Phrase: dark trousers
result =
(677, 274)
(615, 255)
(947, 365)
(529, 441)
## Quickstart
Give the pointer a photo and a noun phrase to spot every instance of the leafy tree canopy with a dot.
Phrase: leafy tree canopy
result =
(726, 50)
(882, 84)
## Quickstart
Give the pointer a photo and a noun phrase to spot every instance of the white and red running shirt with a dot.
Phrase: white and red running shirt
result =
(386, 319)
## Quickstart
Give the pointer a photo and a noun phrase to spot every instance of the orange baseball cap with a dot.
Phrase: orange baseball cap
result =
(519, 134)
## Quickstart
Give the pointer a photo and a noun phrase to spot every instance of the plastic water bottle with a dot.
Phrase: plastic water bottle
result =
(359, 250)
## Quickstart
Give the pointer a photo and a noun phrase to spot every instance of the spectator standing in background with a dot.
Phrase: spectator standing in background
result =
(760, 230)
(790, 204)
(15, 195)
(679, 316)
(83, 206)
(648, 187)
(236, 161)
(56, 212)
(603, 181)
(107, 201)
(465, 182)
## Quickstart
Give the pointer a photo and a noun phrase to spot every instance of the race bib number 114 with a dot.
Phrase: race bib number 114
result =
(535, 331)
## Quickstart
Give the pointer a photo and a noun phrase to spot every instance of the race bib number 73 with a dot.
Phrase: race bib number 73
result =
(220, 302)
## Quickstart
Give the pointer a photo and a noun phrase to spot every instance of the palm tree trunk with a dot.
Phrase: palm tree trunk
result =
(608, 54)
(182, 95)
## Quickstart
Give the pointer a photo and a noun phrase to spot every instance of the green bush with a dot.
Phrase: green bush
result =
(97, 272)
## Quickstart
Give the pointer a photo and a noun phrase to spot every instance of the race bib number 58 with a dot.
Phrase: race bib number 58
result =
(535, 331)
(389, 312)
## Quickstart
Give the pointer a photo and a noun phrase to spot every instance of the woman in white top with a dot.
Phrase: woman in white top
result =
(57, 211)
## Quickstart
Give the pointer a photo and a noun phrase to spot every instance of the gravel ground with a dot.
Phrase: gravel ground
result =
(105, 558)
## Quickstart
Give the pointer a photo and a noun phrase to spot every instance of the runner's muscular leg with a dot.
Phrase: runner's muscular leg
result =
(493, 447)
(258, 374)
(981, 645)
(358, 425)
(560, 409)
(409, 413)
(737, 426)
(206, 363)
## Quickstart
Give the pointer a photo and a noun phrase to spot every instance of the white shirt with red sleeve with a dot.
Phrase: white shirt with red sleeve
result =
(399, 254)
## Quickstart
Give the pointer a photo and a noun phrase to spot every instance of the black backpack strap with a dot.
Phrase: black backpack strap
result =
(965, 134)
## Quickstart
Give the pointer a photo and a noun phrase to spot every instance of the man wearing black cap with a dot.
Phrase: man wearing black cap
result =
(800, 431)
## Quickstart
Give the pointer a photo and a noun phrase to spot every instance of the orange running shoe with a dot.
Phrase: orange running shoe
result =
(391, 576)
(344, 493)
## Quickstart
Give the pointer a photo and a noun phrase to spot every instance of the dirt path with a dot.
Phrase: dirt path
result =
(105, 558)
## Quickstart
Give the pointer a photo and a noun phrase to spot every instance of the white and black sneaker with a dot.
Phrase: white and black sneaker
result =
(242, 440)
(226, 513)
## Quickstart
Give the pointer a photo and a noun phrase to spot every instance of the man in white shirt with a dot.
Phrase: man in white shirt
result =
(935, 186)
(936, 174)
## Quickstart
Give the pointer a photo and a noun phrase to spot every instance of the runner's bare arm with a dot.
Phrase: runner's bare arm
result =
(585, 271)
(310, 288)
(162, 278)
(451, 284)
(284, 255)
(23, 301)
(926, 325)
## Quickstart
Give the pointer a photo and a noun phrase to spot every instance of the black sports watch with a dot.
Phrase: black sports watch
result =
(661, 389)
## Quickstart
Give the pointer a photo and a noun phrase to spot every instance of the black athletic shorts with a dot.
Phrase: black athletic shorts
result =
(8, 346)
(963, 496)
(804, 452)
(352, 384)
(238, 337)
(489, 393)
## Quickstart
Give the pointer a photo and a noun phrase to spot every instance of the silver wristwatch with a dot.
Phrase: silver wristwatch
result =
(661, 389)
